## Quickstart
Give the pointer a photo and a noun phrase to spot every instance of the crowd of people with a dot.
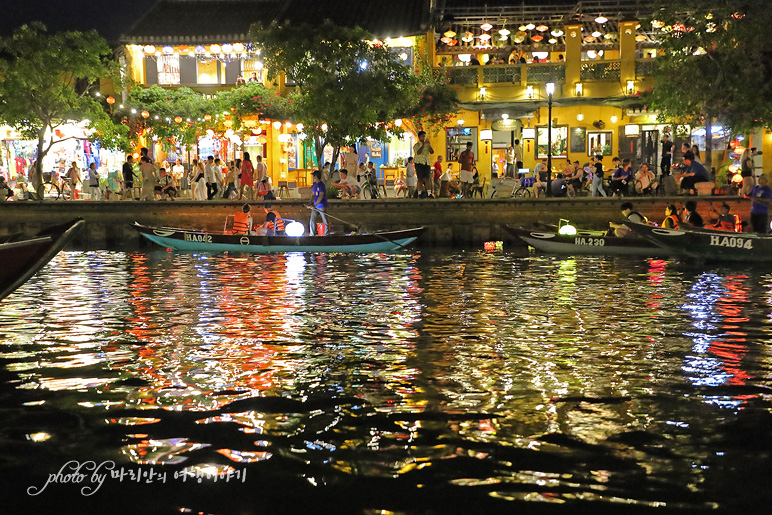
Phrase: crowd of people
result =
(205, 179)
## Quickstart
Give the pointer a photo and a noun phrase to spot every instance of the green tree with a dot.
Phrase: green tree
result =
(716, 65)
(46, 79)
(349, 86)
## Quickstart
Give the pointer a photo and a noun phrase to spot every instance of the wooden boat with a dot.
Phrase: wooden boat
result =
(709, 244)
(588, 243)
(198, 241)
(20, 259)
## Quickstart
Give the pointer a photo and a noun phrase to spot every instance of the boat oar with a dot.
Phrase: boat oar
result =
(312, 208)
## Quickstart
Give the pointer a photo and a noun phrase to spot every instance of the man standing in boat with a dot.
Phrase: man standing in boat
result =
(761, 196)
(318, 204)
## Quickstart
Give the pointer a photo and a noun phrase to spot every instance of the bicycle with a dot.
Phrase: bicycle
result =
(48, 190)
(67, 189)
(370, 185)
(523, 190)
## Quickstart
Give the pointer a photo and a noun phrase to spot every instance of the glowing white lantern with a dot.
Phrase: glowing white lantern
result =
(294, 229)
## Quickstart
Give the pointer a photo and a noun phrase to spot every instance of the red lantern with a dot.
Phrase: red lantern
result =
(145, 114)
(207, 117)
(178, 119)
(110, 100)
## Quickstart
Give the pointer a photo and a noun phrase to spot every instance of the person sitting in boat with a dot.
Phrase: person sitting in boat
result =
(621, 230)
(347, 185)
(725, 220)
(695, 173)
(274, 224)
(690, 215)
(242, 222)
(671, 220)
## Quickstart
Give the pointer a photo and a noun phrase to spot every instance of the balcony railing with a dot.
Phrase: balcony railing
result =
(546, 73)
(606, 70)
(644, 68)
(499, 74)
(466, 76)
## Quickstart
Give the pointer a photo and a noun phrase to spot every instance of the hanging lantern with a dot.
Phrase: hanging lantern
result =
(144, 114)
(200, 49)
(453, 42)
(449, 34)
(537, 38)
(168, 50)
(530, 26)
(486, 26)
(468, 37)
(238, 47)
(504, 32)
(262, 139)
(522, 28)
(215, 49)
(640, 38)
(228, 123)
(601, 19)
(149, 49)
(446, 40)
(110, 100)
(277, 125)
(552, 41)
(484, 37)
(542, 28)
(227, 48)
(183, 49)
(207, 117)
(178, 119)
(597, 34)
(557, 33)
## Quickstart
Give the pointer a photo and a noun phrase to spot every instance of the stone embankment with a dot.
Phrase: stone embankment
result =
(456, 223)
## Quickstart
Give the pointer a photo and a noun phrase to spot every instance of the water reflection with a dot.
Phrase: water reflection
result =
(577, 380)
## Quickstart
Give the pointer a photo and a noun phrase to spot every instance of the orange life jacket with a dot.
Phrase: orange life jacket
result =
(241, 223)
(673, 218)
(731, 223)
(279, 223)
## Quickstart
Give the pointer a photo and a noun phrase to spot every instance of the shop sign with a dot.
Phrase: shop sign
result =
(376, 152)
(504, 125)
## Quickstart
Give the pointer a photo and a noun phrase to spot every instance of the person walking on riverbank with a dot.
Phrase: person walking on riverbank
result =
(147, 172)
(597, 176)
(128, 178)
(422, 154)
(466, 161)
(247, 178)
(93, 183)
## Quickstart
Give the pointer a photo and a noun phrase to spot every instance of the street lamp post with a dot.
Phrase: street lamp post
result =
(550, 91)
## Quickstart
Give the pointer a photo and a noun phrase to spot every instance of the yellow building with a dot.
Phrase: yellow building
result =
(500, 55)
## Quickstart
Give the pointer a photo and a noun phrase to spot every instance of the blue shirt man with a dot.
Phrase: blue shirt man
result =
(319, 201)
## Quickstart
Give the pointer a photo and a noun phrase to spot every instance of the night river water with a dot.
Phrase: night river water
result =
(425, 382)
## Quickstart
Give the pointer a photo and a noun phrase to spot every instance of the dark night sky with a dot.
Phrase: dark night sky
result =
(109, 18)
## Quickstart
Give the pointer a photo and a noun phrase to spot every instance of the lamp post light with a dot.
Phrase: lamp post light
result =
(550, 91)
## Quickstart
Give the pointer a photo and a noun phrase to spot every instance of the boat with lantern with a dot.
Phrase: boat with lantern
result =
(21, 258)
(709, 244)
(201, 241)
(568, 240)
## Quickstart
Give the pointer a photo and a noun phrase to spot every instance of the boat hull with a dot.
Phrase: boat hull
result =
(197, 241)
(590, 243)
(709, 244)
(20, 260)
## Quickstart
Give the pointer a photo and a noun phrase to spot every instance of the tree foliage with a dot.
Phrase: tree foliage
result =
(349, 86)
(716, 63)
(45, 79)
